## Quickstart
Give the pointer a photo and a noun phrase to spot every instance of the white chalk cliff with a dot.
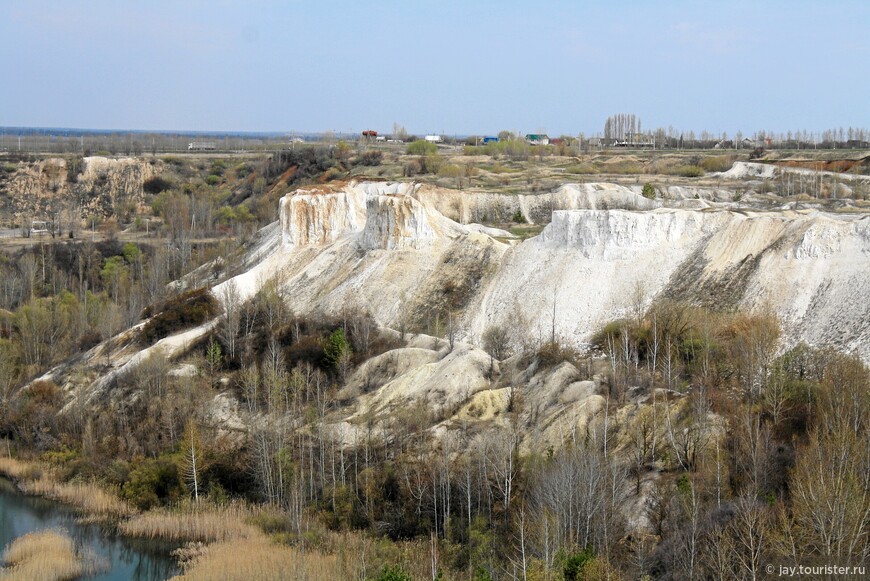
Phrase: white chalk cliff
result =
(387, 249)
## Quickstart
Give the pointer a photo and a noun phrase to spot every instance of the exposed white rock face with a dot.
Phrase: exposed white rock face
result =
(750, 169)
(588, 267)
(599, 196)
(747, 169)
(385, 250)
(621, 234)
(809, 269)
(123, 177)
(465, 207)
(396, 222)
(593, 264)
(321, 218)
(37, 186)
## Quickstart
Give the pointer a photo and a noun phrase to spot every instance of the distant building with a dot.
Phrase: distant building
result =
(594, 142)
(38, 227)
(636, 140)
(434, 138)
(538, 139)
(201, 146)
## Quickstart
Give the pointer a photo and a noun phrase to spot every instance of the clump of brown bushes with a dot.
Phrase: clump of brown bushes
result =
(186, 310)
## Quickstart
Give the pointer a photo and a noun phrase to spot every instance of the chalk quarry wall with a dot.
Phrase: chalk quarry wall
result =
(386, 248)
(40, 189)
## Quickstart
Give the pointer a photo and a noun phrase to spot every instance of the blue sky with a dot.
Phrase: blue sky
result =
(473, 66)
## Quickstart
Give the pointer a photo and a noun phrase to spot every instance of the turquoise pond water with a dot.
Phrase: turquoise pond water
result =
(118, 558)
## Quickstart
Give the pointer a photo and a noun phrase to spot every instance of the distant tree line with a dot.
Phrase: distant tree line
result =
(626, 126)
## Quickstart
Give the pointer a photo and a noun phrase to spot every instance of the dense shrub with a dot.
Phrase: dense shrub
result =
(186, 310)
(717, 163)
(308, 349)
(242, 170)
(309, 163)
(687, 171)
(156, 185)
(553, 353)
(33, 416)
(430, 163)
(334, 173)
(370, 158)
(394, 573)
(757, 153)
(649, 191)
(88, 340)
(573, 569)
(422, 147)
(621, 167)
(152, 482)
(413, 168)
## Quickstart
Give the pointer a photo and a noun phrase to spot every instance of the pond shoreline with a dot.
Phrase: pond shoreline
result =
(95, 536)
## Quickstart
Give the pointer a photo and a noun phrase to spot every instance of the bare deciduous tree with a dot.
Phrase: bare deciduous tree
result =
(229, 329)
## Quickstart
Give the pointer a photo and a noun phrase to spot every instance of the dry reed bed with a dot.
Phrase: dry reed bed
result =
(259, 559)
(44, 555)
(17, 470)
(328, 556)
(87, 497)
(231, 547)
(190, 522)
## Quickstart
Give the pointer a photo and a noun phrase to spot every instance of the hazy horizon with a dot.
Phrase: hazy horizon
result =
(447, 67)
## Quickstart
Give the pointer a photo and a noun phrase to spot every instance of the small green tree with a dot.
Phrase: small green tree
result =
(392, 573)
(576, 563)
(131, 253)
(649, 191)
(452, 171)
(422, 147)
(430, 163)
(213, 355)
(337, 348)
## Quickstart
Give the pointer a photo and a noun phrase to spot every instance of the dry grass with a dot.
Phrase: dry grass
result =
(319, 554)
(205, 523)
(259, 559)
(225, 541)
(46, 555)
(87, 497)
(17, 470)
